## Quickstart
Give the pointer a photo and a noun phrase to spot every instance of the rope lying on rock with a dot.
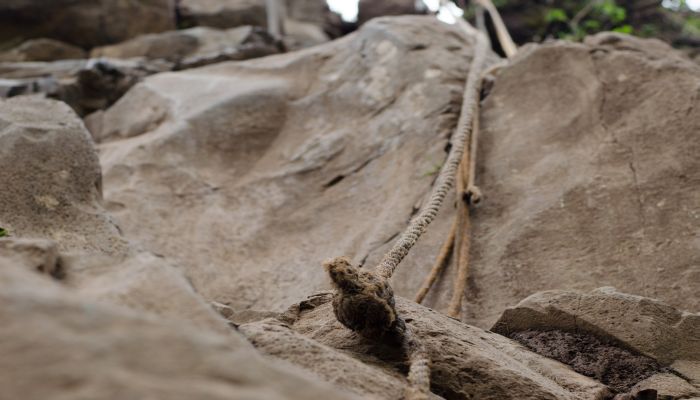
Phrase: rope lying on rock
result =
(446, 178)
(468, 194)
(364, 300)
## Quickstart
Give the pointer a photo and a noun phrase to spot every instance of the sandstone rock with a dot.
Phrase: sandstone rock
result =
(467, 362)
(86, 85)
(51, 177)
(42, 50)
(368, 9)
(60, 345)
(35, 254)
(588, 166)
(647, 326)
(222, 13)
(311, 11)
(252, 173)
(85, 23)
(669, 386)
(299, 35)
(185, 47)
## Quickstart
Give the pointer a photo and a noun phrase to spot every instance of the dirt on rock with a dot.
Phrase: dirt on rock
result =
(614, 366)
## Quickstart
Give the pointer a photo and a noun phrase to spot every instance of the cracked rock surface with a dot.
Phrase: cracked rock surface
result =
(251, 174)
(589, 166)
(223, 188)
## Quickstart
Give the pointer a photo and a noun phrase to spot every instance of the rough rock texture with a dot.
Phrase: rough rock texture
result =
(86, 85)
(270, 166)
(85, 23)
(313, 11)
(299, 35)
(647, 326)
(60, 345)
(614, 366)
(368, 9)
(52, 183)
(588, 163)
(189, 46)
(42, 50)
(222, 13)
(467, 362)
(123, 323)
(35, 254)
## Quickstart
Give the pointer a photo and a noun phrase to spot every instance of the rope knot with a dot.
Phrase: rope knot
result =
(363, 301)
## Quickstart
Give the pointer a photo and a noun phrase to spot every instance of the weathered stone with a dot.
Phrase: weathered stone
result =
(60, 345)
(272, 165)
(588, 166)
(184, 47)
(85, 23)
(466, 362)
(368, 9)
(311, 11)
(668, 387)
(86, 85)
(299, 35)
(222, 13)
(647, 326)
(42, 50)
(35, 254)
(51, 177)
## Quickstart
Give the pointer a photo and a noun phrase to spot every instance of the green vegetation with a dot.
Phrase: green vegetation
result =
(3, 232)
(539, 20)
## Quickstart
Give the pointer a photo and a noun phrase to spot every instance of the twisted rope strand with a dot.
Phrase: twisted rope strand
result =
(446, 178)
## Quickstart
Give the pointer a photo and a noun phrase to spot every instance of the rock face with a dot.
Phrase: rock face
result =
(226, 186)
(588, 163)
(95, 84)
(59, 345)
(467, 362)
(52, 178)
(368, 9)
(86, 85)
(123, 323)
(647, 326)
(273, 165)
(222, 13)
(195, 46)
(42, 50)
(85, 23)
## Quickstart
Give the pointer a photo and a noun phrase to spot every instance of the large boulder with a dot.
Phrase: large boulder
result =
(186, 47)
(52, 182)
(649, 327)
(312, 11)
(589, 168)
(42, 50)
(60, 345)
(368, 9)
(123, 323)
(222, 13)
(252, 173)
(86, 85)
(85, 23)
(466, 362)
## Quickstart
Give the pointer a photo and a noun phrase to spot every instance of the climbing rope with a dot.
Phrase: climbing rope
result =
(459, 238)
(446, 177)
(364, 300)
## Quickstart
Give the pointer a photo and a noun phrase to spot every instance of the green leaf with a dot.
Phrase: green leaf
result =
(556, 15)
(591, 25)
(3, 232)
(624, 29)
